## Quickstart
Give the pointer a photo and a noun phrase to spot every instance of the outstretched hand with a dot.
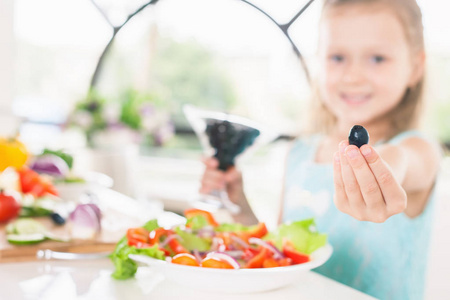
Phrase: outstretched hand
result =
(365, 186)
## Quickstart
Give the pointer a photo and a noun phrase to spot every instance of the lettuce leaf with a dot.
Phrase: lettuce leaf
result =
(303, 235)
(191, 241)
(197, 222)
(125, 267)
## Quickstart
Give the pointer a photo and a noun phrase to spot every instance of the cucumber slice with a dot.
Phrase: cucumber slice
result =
(25, 239)
(56, 238)
(26, 226)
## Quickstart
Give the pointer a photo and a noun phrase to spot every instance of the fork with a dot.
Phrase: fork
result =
(48, 254)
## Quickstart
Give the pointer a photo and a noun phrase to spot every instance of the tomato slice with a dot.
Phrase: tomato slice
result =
(185, 259)
(296, 256)
(156, 235)
(191, 212)
(138, 237)
(32, 183)
(214, 262)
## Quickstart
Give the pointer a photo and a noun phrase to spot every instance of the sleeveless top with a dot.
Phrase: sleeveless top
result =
(387, 260)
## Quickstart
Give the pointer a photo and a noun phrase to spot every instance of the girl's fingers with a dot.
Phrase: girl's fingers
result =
(210, 162)
(390, 188)
(351, 186)
(340, 197)
(369, 188)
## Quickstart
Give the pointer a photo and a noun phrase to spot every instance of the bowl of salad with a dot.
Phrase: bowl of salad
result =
(225, 258)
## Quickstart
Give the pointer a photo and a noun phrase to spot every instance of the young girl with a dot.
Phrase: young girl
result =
(374, 202)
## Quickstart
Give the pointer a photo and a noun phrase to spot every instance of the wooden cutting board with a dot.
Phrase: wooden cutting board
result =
(105, 242)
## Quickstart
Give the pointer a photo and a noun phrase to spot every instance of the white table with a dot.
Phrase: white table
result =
(90, 279)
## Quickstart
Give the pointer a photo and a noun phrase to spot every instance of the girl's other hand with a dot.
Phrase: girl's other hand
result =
(365, 186)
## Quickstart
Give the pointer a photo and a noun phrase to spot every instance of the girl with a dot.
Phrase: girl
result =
(371, 72)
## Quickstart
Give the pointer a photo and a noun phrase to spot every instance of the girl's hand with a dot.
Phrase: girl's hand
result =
(365, 186)
(215, 179)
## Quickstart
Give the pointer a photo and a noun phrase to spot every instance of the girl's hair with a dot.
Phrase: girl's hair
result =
(407, 114)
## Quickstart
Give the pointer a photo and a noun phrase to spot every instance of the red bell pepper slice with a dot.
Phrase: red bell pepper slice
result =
(258, 260)
(192, 212)
(296, 256)
(174, 244)
(258, 231)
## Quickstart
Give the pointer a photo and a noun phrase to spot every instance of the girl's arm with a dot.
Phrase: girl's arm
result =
(373, 185)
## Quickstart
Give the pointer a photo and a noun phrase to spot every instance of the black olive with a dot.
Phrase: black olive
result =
(358, 136)
(57, 219)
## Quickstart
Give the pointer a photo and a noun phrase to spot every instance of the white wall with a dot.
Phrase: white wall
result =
(8, 123)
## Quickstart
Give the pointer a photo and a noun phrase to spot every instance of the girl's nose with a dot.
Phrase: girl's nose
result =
(353, 72)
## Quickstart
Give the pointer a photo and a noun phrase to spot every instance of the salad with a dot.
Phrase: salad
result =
(202, 242)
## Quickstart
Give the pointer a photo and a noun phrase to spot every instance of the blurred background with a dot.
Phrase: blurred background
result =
(119, 111)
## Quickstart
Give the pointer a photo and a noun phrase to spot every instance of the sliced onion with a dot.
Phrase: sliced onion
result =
(50, 164)
(85, 221)
(197, 255)
(239, 241)
(276, 253)
(225, 257)
(218, 244)
(206, 232)
(168, 239)
(235, 253)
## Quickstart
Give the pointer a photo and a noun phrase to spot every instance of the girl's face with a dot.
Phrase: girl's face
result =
(365, 63)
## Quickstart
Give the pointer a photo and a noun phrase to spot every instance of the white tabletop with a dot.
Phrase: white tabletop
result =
(91, 279)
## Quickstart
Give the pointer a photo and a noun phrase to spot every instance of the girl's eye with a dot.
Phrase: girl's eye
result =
(377, 59)
(337, 58)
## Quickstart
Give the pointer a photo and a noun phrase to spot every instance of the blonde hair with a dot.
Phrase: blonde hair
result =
(406, 115)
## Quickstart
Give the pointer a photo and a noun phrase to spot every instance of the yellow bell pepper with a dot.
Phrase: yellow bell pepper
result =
(12, 153)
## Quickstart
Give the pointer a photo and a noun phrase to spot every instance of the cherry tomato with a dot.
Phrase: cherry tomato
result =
(9, 207)
(214, 262)
(185, 259)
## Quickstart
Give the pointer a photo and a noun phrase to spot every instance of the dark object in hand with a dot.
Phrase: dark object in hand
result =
(358, 136)
(229, 140)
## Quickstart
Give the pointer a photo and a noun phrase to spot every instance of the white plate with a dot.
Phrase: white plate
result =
(236, 281)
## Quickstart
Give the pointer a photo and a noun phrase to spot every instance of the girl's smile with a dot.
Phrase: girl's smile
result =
(355, 99)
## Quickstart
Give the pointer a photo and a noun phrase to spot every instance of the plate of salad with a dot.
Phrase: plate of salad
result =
(226, 258)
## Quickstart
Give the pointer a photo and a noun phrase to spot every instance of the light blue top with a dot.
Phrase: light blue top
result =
(387, 260)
